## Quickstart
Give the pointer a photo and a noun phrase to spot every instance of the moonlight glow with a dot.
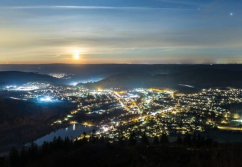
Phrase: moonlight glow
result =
(76, 55)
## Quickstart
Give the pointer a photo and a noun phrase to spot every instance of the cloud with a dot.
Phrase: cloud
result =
(183, 2)
(112, 32)
(193, 38)
(90, 7)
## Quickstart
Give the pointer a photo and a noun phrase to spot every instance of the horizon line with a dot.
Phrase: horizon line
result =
(125, 64)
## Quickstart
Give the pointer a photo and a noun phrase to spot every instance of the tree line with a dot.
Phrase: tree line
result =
(33, 154)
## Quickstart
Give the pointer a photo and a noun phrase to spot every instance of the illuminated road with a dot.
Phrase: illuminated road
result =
(230, 128)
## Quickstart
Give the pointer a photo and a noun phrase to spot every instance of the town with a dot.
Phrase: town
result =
(116, 113)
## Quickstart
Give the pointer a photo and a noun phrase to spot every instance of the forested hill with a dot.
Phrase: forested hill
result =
(16, 78)
(199, 78)
(16, 112)
(22, 121)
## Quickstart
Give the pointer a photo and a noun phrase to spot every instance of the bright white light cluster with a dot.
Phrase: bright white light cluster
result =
(105, 128)
(74, 84)
(58, 75)
(46, 99)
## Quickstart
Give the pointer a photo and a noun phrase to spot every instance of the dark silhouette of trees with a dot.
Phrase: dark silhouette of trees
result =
(3, 161)
(156, 140)
(84, 139)
(187, 140)
(164, 138)
(209, 142)
(121, 140)
(93, 138)
(132, 139)
(179, 140)
(23, 157)
(66, 152)
(144, 139)
(14, 157)
(194, 138)
(196, 141)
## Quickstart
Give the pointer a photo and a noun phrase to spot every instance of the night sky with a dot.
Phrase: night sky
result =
(120, 31)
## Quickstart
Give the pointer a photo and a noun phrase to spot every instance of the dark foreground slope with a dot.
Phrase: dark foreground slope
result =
(198, 79)
(65, 153)
(22, 121)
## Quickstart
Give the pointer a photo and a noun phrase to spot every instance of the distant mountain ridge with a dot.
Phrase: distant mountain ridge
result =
(198, 78)
(97, 72)
(17, 78)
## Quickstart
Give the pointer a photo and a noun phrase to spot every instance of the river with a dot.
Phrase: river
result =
(72, 131)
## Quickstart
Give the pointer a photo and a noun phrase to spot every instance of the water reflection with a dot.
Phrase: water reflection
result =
(71, 131)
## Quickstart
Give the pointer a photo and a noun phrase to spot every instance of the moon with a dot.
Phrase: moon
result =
(76, 55)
